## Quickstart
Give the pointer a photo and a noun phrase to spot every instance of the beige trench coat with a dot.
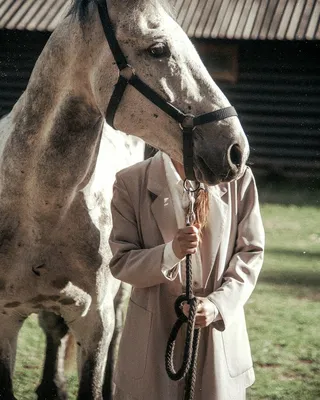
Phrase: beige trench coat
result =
(232, 256)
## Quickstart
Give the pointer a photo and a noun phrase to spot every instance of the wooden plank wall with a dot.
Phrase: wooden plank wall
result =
(19, 51)
(277, 96)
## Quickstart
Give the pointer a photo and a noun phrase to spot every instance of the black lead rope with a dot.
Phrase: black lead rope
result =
(128, 76)
(188, 369)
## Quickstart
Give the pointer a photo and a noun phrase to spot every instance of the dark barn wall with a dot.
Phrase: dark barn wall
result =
(277, 96)
(19, 51)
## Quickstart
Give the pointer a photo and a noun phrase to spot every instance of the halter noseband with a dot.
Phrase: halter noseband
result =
(127, 76)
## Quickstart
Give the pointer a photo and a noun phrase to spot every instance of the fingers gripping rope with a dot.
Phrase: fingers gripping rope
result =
(188, 368)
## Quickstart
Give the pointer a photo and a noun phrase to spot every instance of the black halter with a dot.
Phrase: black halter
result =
(127, 76)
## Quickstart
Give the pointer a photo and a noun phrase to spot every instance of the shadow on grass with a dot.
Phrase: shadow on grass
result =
(293, 253)
(291, 277)
(305, 276)
(277, 190)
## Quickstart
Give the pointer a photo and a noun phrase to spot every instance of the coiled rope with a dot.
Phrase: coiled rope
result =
(188, 369)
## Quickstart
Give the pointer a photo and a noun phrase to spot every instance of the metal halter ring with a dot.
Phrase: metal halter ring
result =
(127, 72)
(187, 122)
(188, 189)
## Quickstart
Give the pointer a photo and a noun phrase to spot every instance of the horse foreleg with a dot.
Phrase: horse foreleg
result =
(52, 386)
(120, 307)
(93, 334)
(10, 326)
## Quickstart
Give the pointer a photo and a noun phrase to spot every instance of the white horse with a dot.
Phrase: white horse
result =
(57, 165)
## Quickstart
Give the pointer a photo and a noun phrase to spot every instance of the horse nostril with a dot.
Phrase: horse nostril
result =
(235, 155)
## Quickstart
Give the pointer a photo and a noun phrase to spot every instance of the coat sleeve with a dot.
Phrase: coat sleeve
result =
(131, 262)
(244, 267)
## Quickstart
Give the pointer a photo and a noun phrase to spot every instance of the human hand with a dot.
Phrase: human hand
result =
(207, 312)
(186, 241)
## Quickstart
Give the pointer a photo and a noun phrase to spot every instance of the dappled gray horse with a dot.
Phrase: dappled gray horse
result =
(57, 165)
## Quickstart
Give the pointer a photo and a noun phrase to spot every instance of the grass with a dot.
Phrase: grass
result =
(283, 314)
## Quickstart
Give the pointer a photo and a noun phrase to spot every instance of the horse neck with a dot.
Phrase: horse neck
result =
(54, 127)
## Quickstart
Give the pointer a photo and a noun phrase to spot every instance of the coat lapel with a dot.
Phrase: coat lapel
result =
(161, 207)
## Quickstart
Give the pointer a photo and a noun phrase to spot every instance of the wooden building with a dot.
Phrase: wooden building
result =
(25, 26)
(264, 54)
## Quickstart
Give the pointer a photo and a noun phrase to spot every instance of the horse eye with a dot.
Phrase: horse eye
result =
(159, 50)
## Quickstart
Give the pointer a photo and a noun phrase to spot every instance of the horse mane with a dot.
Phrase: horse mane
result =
(79, 8)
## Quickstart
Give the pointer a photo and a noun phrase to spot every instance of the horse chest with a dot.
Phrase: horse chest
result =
(39, 257)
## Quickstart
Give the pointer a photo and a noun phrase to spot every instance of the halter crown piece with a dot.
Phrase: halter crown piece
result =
(127, 76)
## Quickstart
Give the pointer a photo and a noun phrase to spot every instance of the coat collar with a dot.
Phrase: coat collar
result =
(161, 207)
(157, 181)
(218, 191)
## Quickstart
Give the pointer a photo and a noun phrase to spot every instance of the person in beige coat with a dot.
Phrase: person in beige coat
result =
(147, 245)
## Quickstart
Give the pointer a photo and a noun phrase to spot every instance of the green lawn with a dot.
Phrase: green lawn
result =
(283, 313)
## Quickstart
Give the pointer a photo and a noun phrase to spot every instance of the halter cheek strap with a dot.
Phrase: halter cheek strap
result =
(128, 76)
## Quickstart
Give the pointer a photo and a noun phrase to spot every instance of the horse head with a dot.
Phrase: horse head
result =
(162, 56)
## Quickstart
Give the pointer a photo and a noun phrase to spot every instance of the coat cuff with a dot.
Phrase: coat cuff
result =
(218, 323)
(170, 263)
